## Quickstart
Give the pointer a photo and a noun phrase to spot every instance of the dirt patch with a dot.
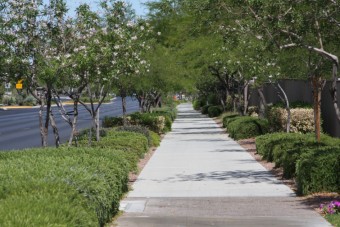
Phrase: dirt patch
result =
(141, 164)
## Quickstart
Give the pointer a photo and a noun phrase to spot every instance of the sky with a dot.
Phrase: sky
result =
(136, 5)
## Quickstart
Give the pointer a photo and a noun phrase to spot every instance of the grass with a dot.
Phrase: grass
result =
(334, 219)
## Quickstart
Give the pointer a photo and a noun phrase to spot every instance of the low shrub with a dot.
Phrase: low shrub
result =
(109, 122)
(215, 111)
(318, 170)
(156, 139)
(29, 101)
(285, 148)
(170, 112)
(8, 100)
(167, 120)
(247, 127)
(205, 109)
(65, 186)
(302, 119)
(124, 141)
(62, 206)
(197, 104)
(229, 117)
(265, 144)
(154, 122)
(137, 129)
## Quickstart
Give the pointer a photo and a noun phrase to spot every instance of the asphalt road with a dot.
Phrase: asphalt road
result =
(19, 128)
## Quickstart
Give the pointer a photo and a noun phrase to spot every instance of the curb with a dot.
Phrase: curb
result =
(31, 107)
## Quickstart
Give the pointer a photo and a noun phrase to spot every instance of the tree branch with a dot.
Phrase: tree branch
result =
(324, 53)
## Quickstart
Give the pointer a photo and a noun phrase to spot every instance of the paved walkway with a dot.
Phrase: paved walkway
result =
(201, 177)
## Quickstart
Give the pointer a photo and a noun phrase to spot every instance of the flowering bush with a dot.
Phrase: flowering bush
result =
(332, 208)
(302, 120)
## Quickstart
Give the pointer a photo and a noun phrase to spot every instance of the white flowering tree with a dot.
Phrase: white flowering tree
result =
(127, 38)
(37, 36)
(89, 67)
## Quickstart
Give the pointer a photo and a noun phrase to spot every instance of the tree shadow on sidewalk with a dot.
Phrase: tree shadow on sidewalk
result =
(241, 177)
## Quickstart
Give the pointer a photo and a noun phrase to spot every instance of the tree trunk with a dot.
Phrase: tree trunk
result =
(48, 97)
(159, 101)
(286, 101)
(334, 91)
(97, 124)
(246, 98)
(317, 89)
(74, 125)
(41, 123)
(55, 130)
(124, 108)
(140, 104)
(263, 103)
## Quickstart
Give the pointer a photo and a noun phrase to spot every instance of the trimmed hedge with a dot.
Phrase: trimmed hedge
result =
(125, 141)
(65, 186)
(215, 111)
(154, 122)
(318, 170)
(247, 127)
(159, 121)
(229, 117)
(69, 186)
(266, 144)
(285, 148)
(137, 129)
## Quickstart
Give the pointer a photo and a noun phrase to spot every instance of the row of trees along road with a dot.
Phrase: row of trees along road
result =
(92, 54)
(223, 45)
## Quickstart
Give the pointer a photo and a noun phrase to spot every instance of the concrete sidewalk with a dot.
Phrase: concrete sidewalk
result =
(201, 177)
